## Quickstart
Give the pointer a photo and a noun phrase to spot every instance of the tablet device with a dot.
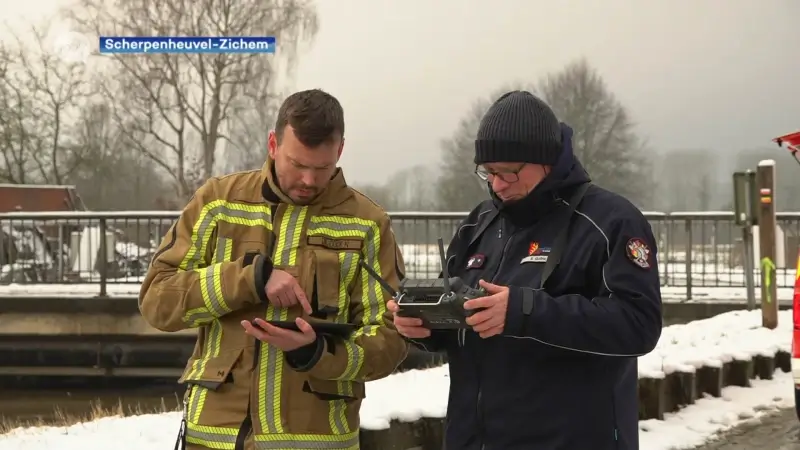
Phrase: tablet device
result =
(335, 329)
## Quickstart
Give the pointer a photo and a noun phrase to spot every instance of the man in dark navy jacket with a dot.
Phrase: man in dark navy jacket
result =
(546, 365)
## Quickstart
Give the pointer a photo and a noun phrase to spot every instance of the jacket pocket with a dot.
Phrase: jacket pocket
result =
(333, 281)
(335, 390)
(210, 372)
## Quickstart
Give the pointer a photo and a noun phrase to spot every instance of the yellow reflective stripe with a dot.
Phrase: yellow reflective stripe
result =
(270, 371)
(227, 246)
(211, 349)
(332, 227)
(371, 291)
(222, 211)
(337, 415)
(368, 230)
(347, 441)
(211, 288)
(797, 271)
(289, 235)
(211, 437)
(348, 263)
(210, 275)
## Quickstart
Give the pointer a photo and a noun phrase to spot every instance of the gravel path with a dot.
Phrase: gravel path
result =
(779, 431)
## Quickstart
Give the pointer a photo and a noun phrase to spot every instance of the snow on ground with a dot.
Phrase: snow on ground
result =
(682, 347)
(685, 429)
(713, 341)
(698, 423)
(717, 294)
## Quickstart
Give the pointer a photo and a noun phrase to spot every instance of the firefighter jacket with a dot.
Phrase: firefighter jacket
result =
(210, 272)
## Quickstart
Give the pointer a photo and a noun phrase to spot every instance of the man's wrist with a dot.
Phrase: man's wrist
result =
(302, 359)
(262, 270)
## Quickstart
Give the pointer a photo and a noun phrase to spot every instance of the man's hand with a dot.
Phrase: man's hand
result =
(407, 326)
(492, 320)
(283, 291)
(286, 340)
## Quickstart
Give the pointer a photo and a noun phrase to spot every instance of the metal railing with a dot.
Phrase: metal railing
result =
(696, 249)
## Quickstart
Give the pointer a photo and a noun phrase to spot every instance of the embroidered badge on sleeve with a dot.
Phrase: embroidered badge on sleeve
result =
(638, 252)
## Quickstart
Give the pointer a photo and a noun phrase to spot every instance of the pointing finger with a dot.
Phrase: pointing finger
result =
(301, 298)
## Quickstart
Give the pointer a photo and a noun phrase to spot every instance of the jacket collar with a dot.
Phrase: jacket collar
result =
(334, 194)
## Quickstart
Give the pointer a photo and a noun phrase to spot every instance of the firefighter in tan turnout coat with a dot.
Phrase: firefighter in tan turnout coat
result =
(280, 243)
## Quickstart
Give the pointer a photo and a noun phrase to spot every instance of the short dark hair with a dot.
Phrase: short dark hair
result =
(314, 115)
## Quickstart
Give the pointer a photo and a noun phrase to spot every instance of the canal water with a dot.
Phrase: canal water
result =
(37, 402)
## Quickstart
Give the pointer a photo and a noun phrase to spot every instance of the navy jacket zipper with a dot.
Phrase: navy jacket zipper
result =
(478, 403)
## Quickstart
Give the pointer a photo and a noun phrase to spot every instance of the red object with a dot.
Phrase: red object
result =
(36, 198)
(792, 141)
(796, 307)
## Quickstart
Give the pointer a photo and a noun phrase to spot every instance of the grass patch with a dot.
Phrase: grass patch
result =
(61, 417)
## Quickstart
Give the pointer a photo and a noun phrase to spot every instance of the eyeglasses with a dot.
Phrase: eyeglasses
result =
(509, 176)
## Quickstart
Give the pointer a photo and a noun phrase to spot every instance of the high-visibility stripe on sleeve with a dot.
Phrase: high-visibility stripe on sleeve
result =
(210, 275)
(212, 437)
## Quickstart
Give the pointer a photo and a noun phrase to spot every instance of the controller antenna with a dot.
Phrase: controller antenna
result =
(445, 275)
(376, 276)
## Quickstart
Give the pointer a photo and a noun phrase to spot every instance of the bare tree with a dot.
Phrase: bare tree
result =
(118, 178)
(40, 96)
(380, 194)
(413, 189)
(247, 147)
(184, 106)
(457, 187)
(605, 139)
(684, 180)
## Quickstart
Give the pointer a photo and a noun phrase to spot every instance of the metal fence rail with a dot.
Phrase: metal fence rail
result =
(696, 249)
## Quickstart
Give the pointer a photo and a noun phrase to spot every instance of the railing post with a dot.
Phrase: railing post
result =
(666, 249)
(745, 215)
(767, 222)
(103, 259)
(688, 262)
(59, 255)
(415, 231)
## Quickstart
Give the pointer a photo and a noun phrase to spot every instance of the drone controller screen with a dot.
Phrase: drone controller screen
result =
(439, 302)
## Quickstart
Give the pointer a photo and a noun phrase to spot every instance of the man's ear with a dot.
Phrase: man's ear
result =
(272, 144)
(341, 147)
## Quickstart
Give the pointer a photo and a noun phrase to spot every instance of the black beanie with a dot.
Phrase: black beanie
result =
(519, 127)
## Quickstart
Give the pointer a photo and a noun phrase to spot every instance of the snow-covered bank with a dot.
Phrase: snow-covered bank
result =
(684, 430)
(710, 342)
(719, 339)
(696, 424)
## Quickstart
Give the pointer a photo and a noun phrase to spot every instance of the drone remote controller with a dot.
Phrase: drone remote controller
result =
(439, 302)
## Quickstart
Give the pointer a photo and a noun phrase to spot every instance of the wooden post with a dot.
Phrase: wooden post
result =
(767, 223)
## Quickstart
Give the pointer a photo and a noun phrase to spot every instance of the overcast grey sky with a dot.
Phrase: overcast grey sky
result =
(704, 73)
